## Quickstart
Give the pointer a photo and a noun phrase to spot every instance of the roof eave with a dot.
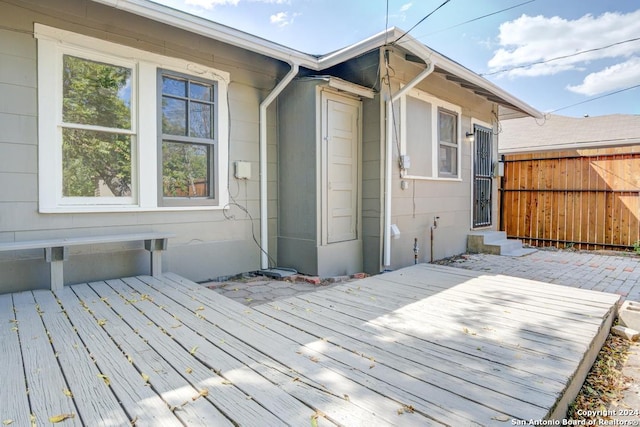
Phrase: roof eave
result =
(213, 30)
(412, 45)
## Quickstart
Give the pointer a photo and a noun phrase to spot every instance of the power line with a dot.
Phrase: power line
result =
(560, 57)
(476, 19)
(593, 99)
(422, 20)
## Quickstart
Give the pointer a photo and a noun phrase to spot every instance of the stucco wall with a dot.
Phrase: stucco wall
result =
(208, 243)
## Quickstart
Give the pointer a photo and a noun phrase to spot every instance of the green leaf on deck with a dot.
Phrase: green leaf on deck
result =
(67, 392)
(193, 350)
(7, 422)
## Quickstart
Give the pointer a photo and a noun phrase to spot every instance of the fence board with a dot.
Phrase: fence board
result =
(588, 199)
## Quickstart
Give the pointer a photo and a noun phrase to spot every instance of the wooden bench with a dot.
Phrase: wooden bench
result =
(56, 251)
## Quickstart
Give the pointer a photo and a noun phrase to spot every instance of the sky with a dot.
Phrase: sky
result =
(553, 35)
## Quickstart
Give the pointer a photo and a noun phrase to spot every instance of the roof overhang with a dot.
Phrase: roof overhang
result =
(510, 106)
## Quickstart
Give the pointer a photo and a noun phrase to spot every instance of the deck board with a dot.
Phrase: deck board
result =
(14, 403)
(45, 380)
(138, 400)
(96, 403)
(426, 345)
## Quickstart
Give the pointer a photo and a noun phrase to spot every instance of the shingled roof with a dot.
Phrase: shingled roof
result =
(556, 132)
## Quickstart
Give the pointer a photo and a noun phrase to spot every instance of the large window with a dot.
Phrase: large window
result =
(97, 130)
(188, 138)
(430, 135)
(102, 148)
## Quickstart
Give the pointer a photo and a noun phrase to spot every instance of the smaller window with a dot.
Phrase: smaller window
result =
(188, 145)
(447, 143)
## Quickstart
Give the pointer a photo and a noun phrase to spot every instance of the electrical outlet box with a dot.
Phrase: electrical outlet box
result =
(243, 170)
(405, 161)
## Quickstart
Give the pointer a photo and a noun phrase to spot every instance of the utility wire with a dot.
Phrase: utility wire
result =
(560, 57)
(476, 19)
(422, 20)
(593, 99)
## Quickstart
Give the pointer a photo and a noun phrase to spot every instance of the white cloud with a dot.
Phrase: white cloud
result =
(209, 4)
(405, 7)
(611, 78)
(282, 19)
(530, 39)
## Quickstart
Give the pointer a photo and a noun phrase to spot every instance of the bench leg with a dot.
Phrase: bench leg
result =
(56, 257)
(57, 275)
(156, 246)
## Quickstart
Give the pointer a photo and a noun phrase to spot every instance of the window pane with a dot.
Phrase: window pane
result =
(95, 164)
(185, 169)
(201, 91)
(97, 94)
(174, 116)
(173, 86)
(200, 120)
(448, 160)
(447, 127)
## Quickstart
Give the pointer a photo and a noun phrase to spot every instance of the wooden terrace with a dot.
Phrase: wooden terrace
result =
(425, 345)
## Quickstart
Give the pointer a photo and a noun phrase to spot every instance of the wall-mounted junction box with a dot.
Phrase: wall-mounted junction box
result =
(243, 170)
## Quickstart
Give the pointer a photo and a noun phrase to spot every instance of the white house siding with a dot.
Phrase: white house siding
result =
(413, 210)
(207, 244)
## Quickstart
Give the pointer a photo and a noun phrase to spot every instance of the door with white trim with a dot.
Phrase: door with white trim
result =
(340, 166)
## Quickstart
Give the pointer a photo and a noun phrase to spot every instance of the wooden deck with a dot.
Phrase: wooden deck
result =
(426, 345)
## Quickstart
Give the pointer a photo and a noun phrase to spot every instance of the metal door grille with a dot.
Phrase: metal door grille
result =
(482, 180)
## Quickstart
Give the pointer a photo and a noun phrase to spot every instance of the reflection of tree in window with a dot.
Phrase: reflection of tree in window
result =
(188, 137)
(96, 162)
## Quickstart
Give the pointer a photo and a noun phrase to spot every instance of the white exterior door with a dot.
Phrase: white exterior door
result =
(340, 141)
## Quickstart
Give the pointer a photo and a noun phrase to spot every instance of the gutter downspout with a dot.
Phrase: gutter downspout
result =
(389, 154)
(264, 220)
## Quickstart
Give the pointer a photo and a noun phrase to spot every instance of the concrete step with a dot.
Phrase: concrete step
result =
(519, 252)
(499, 247)
(496, 243)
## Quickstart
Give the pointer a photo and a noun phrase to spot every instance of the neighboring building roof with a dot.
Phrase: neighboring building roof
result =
(566, 133)
(511, 107)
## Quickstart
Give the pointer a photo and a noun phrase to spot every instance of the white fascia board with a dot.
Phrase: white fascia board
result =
(355, 50)
(473, 78)
(213, 30)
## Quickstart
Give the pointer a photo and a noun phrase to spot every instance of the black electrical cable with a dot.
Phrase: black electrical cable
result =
(560, 57)
(422, 20)
(594, 99)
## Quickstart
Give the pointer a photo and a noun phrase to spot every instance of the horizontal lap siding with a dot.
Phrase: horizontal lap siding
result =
(208, 244)
(588, 199)
(413, 210)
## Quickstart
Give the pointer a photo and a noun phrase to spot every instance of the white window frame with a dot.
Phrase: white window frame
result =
(53, 43)
(437, 104)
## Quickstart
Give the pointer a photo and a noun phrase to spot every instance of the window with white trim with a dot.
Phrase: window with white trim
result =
(430, 135)
(447, 143)
(102, 149)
